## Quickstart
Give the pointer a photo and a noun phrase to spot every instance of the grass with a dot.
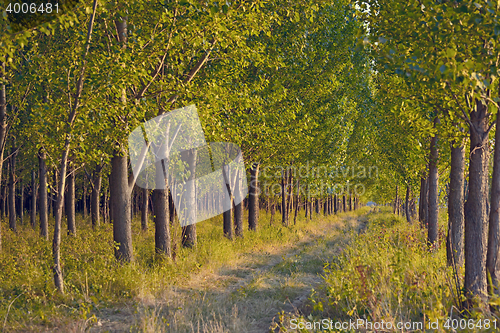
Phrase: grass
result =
(95, 283)
(387, 274)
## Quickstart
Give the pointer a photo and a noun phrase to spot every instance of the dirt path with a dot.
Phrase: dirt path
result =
(244, 297)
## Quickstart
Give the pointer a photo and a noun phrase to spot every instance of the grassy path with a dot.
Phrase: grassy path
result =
(243, 295)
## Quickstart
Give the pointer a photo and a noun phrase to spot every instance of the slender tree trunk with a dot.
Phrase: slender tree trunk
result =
(33, 200)
(476, 214)
(432, 228)
(144, 209)
(95, 197)
(422, 206)
(21, 202)
(85, 211)
(396, 201)
(227, 221)
(253, 196)
(283, 198)
(407, 204)
(43, 202)
(343, 204)
(455, 237)
(70, 204)
(12, 190)
(189, 238)
(298, 202)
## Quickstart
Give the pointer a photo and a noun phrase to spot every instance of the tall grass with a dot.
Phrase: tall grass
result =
(94, 280)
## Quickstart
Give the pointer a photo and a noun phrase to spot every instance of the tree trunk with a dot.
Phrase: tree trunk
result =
(144, 209)
(120, 202)
(423, 202)
(70, 204)
(283, 198)
(43, 202)
(238, 220)
(298, 203)
(33, 200)
(475, 207)
(432, 227)
(12, 190)
(407, 204)
(455, 237)
(492, 259)
(189, 238)
(21, 202)
(253, 197)
(161, 221)
(95, 197)
(85, 212)
(227, 221)
(396, 201)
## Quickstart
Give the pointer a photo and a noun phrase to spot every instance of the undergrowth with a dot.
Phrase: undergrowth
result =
(387, 274)
(93, 278)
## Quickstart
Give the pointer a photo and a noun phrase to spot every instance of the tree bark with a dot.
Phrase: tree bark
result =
(493, 255)
(189, 238)
(407, 204)
(21, 202)
(253, 197)
(12, 189)
(422, 206)
(475, 207)
(70, 204)
(432, 228)
(95, 197)
(43, 202)
(284, 218)
(120, 202)
(33, 200)
(161, 221)
(455, 237)
(144, 209)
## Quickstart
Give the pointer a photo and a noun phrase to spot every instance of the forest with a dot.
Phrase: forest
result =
(308, 161)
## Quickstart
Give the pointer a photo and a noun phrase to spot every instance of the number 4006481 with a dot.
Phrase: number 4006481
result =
(32, 8)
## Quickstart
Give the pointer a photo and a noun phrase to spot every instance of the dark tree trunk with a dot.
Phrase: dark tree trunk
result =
(455, 237)
(33, 200)
(335, 204)
(350, 202)
(297, 204)
(189, 238)
(12, 190)
(70, 204)
(396, 201)
(493, 255)
(227, 221)
(120, 202)
(161, 221)
(95, 197)
(253, 196)
(144, 209)
(43, 202)
(238, 220)
(423, 206)
(85, 212)
(407, 204)
(432, 227)
(343, 204)
(21, 202)
(476, 214)
(284, 218)
(317, 206)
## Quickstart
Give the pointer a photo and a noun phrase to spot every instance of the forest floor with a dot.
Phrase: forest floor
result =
(244, 295)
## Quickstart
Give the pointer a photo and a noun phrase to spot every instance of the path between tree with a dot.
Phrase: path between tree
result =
(244, 297)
